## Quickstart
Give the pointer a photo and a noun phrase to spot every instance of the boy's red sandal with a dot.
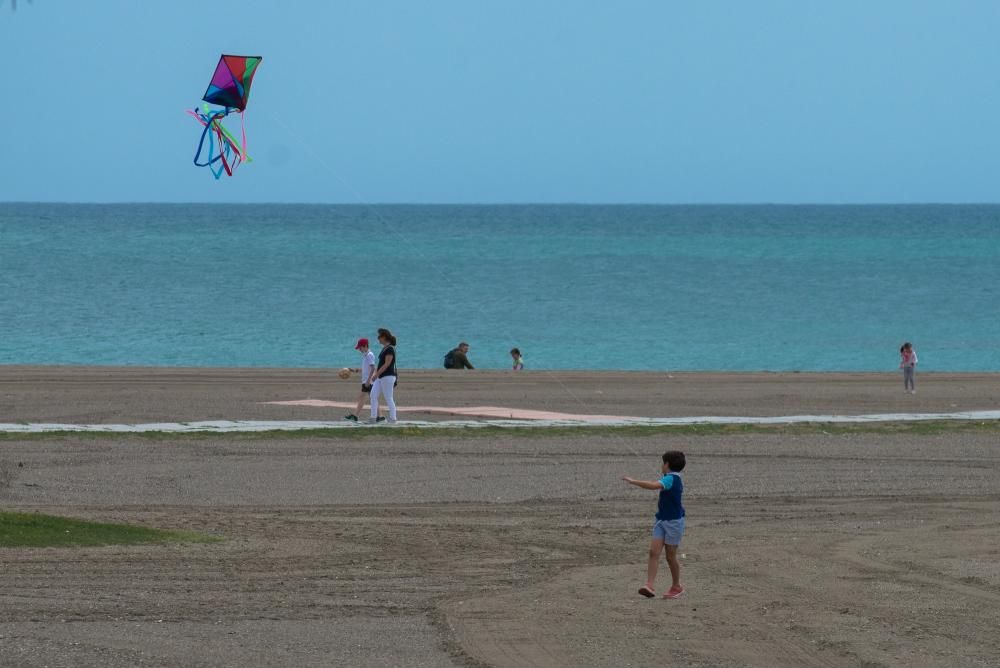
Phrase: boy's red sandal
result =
(674, 592)
(647, 591)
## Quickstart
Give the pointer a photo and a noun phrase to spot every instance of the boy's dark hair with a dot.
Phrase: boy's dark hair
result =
(675, 458)
(516, 351)
(905, 346)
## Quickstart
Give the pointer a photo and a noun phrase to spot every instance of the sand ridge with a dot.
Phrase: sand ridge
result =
(518, 420)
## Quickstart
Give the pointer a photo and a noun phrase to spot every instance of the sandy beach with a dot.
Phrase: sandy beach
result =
(136, 394)
(804, 547)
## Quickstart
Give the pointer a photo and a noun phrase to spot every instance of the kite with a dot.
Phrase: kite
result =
(222, 153)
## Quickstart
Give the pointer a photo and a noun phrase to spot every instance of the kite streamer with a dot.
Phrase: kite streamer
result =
(218, 149)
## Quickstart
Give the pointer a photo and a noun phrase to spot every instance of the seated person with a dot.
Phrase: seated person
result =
(458, 358)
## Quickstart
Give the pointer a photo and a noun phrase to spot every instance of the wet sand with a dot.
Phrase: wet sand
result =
(803, 548)
(96, 395)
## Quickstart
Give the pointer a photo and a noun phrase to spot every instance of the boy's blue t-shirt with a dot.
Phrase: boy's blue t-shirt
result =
(669, 507)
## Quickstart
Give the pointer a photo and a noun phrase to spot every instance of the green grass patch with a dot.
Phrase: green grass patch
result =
(916, 428)
(37, 530)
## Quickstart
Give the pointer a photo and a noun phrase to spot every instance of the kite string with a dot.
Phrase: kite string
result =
(385, 224)
(360, 200)
(243, 131)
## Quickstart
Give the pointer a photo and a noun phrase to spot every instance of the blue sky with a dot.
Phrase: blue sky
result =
(509, 101)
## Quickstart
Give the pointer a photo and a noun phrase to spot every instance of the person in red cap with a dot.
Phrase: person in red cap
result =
(367, 364)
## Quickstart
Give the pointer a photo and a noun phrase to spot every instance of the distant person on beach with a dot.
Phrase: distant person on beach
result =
(669, 525)
(367, 364)
(458, 358)
(908, 363)
(515, 354)
(383, 377)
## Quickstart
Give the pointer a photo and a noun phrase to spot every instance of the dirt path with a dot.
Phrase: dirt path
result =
(837, 584)
(859, 549)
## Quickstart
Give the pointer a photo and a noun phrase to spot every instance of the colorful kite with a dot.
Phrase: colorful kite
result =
(229, 89)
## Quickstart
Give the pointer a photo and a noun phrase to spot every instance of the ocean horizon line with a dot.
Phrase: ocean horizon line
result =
(494, 204)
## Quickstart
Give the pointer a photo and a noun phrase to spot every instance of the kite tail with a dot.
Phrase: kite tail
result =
(223, 153)
(233, 142)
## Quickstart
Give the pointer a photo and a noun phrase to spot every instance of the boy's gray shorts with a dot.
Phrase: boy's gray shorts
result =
(669, 531)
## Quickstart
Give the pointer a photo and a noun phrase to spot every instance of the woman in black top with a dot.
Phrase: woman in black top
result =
(383, 378)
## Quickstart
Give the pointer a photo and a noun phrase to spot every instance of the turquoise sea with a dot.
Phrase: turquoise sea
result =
(575, 287)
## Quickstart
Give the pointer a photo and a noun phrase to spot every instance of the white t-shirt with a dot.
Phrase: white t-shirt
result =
(367, 362)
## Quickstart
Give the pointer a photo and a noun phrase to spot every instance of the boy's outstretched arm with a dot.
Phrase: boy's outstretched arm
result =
(654, 485)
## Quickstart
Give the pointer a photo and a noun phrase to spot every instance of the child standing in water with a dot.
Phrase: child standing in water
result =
(515, 354)
(908, 363)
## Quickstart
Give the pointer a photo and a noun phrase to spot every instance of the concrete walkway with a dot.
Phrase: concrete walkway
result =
(568, 421)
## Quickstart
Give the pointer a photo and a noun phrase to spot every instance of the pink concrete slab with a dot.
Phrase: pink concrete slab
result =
(472, 411)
